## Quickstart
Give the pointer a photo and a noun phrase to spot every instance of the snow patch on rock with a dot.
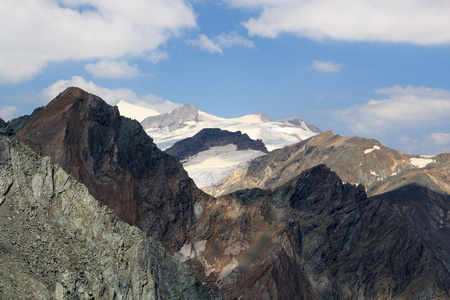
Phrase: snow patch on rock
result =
(367, 151)
(421, 162)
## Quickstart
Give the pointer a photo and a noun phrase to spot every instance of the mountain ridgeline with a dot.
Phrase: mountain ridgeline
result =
(118, 162)
(57, 242)
(297, 224)
(213, 137)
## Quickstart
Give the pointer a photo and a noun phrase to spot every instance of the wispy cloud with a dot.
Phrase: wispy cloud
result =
(113, 69)
(431, 144)
(422, 22)
(204, 43)
(156, 56)
(8, 111)
(34, 33)
(227, 40)
(402, 110)
(326, 66)
(111, 96)
(224, 40)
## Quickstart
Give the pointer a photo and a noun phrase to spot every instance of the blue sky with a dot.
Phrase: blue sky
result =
(377, 69)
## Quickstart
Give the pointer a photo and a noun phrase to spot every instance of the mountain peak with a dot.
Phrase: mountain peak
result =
(117, 161)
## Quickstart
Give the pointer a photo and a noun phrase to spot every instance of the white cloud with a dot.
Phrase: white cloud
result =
(156, 56)
(34, 33)
(431, 144)
(404, 107)
(204, 43)
(111, 96)
(7, 112)
(326, 66)
(422, 22)
(113, 69)
(231, 39)
(440, 139)
(224, 40)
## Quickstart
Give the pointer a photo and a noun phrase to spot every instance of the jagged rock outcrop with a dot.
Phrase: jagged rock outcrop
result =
(58, 242)
(213, 137)
(312, 238)
(356, 160)
(118, 162)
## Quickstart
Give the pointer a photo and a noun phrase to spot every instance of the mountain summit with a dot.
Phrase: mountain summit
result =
(187, 120)
(118, 162)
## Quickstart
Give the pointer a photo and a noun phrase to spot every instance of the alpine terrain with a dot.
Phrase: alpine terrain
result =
(58, 242)
(328, 217)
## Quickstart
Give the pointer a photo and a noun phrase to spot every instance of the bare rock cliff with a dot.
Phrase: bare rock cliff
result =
(58, 242)
(118, 162)
(313, 238)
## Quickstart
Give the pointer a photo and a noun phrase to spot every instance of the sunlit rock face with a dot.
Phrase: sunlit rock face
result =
(118, 162)
(356, 160)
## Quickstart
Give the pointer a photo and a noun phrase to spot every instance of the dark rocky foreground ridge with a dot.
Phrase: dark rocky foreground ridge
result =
(57, 242)
(309, 237)
(118, 162)
(213, 137)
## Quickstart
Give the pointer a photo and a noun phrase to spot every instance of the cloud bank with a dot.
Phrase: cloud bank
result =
(34, 33)
(111, 96)
(402, 107)
(421, 22)
(113, 69)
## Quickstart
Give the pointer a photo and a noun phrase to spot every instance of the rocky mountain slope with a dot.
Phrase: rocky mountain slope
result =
(57, 242)
(314, 237)
(213, 137)
(304, 234)
(118, 162)
(356, 160)
(213, 154)
(187, 120)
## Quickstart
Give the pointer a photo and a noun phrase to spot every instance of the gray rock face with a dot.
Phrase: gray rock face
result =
(57, 242)
(213, 137)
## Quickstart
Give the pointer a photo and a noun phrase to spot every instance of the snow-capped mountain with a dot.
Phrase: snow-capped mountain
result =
(187, 120)
(135, 112)
(212, 155)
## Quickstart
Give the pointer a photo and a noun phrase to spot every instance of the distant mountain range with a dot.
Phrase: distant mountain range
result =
(185, 121)
(327, 217)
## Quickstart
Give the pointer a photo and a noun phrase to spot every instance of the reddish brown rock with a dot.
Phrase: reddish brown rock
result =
(118, 162)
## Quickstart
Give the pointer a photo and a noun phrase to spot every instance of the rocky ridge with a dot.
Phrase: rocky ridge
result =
(312, 238)
(213, 137)
(356, 160)
(118, 162)
(58, 242)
